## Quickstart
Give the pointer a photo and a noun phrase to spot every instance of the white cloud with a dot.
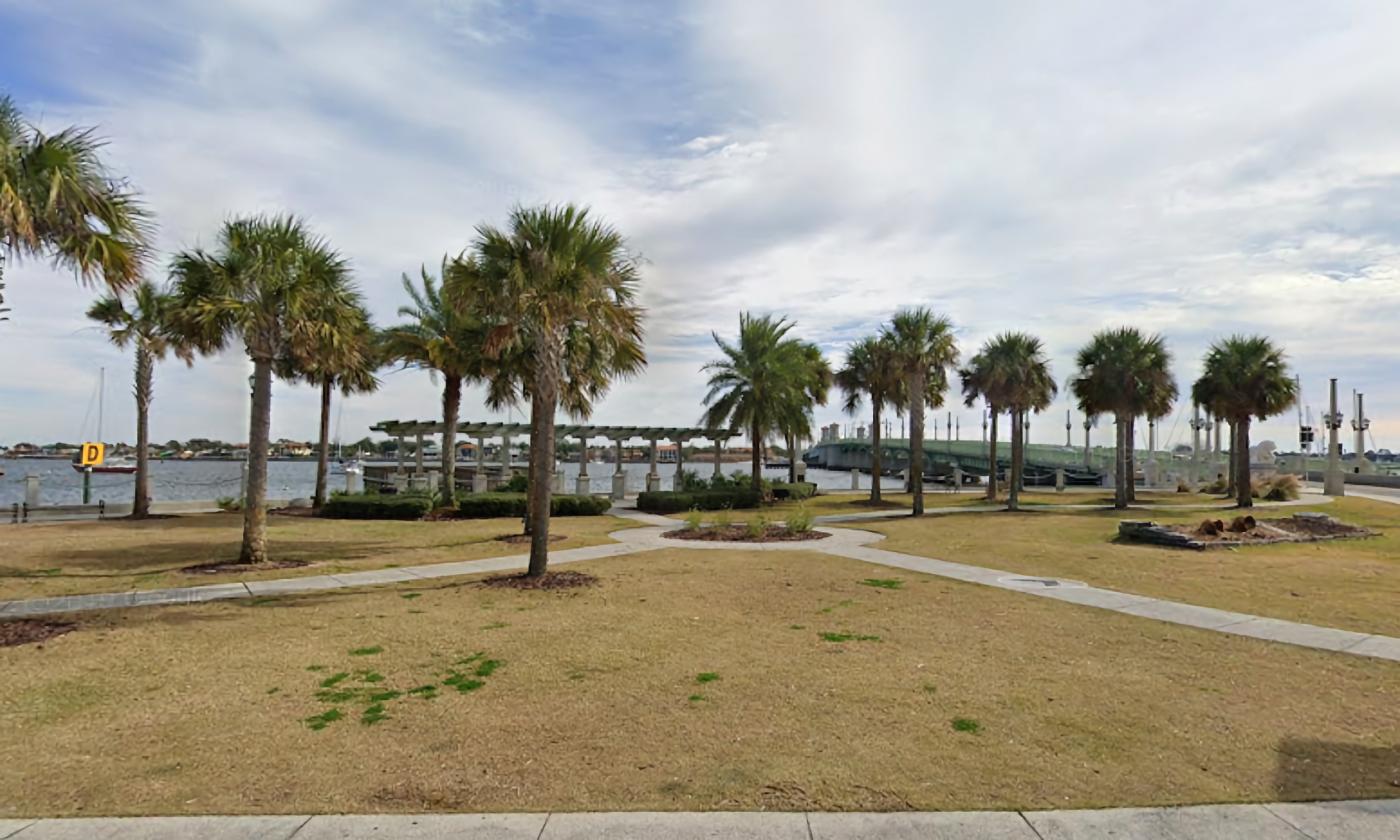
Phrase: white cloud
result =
(1193, 171)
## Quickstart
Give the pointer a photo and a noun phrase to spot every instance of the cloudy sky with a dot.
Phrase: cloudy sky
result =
(1193, 168)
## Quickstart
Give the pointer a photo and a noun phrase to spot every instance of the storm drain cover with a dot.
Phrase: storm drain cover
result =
(1039, 582)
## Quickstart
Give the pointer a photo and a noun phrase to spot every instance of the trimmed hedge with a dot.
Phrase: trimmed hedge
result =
(798, 491)
(498, 505)
(667, 501)
(376, 506)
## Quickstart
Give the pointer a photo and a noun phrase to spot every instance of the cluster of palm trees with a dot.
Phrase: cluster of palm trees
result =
(1121, 372)
(544, 310)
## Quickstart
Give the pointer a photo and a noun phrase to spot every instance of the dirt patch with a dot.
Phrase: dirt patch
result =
(441, 514)
(28, 631)
(222, 568)
(293, 511)
(516, 539)
(741, 533)
(546, 581)
(1243, 530)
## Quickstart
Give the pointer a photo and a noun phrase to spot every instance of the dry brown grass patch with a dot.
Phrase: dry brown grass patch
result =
(202, 709)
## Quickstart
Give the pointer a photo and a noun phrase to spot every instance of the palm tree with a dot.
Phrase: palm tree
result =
(1024, 385)
(560, 290)
(447, 337)
(796, 422)
(759, 383)
(279, 290)
(1244, 377)
(1127, 374)
(924, 348)
(346, 361)
(146, 327)
(57, 199)
(869, 371)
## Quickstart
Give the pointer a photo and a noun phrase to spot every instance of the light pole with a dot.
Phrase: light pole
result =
(1333, 483)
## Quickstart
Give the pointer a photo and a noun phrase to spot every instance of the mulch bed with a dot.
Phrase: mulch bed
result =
(1243, 530)
(546, 581)
(516, 539)
(220, 568)
(740, 533)
(291, 511)
(28, 631)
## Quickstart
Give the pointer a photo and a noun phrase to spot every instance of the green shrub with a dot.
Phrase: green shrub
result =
(800, 490)
(723, 518)
(519, 483)
(758, 526)
(667, 501)
(800, 520)
(694, 520)
(513, 505)
(228, 503)
(691, 482)
(377, 506)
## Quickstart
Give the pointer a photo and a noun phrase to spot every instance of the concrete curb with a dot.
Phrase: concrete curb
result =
(1345, 820)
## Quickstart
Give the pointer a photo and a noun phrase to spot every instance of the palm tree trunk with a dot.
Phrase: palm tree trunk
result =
(756, 460)
(875, 451)
(451, 407)
(141, 504)
(1120, 463)
(1244, 487)
(1130, 454)
(254, 509)
(1231, 466)
(792, 458)
(1017, 447)
(916, 441)
(323, 447)
(992, 456)
(542, 404)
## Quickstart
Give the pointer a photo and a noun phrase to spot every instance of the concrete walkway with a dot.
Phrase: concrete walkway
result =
(1355, 820)
(841, 542)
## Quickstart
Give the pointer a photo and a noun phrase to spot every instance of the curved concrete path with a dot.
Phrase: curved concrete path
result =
(841, 542)
(1351, 820)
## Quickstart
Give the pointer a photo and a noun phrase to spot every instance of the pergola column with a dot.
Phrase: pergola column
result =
(418, 454)
(398, 454)
(479, 478)
(582, 486)
(653, 480)
(719, 463)
(505, 457)
(677, 482)
(619, 488)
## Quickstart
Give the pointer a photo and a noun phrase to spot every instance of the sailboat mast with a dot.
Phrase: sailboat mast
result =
(101, 392)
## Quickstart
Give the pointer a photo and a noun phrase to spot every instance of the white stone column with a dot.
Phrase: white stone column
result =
(582, 485)
(479, 478)
(418, 455)
(719, 466)
(855, 478)
(1333, 484)
(31, 490)
(653, 480)
(398, 454)
(619, 481)
(677, 483)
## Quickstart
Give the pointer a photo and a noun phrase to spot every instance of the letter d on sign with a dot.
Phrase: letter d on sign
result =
(92, 454)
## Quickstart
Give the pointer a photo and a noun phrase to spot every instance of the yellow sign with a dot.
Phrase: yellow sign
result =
(92, 454)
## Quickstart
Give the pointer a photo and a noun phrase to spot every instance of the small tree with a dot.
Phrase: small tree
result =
(869, 371)
(1244, 377)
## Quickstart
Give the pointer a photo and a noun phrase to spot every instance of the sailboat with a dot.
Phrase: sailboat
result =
(110, 465)
(340, 466)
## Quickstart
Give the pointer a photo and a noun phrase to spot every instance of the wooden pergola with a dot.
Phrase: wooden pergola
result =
(419, 429)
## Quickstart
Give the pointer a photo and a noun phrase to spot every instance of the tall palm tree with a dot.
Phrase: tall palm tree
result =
(869, 371)
(562, 288)
(1024, 386)
(277, 289)
(1244, 377)
(758, 384)
(345, 361)
(57, 199)
(924, 348)
(446, 336)
(1127, 374)
(815, 387)
(1010, 373)
(144, 325)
